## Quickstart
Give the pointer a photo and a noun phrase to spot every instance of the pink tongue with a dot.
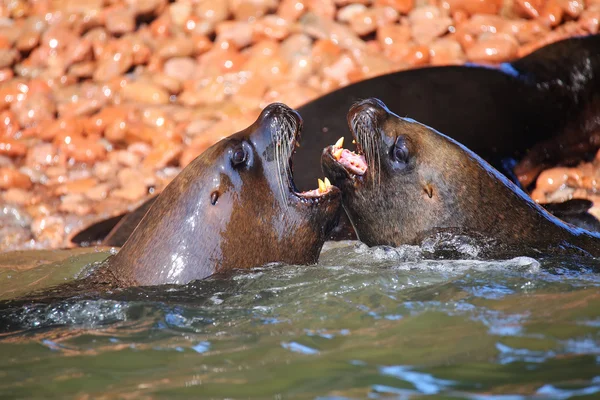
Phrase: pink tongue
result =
(311, 193)
(353, 161)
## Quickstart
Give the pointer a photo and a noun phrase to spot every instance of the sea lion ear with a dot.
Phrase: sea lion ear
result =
(428, 188)
(214, 197)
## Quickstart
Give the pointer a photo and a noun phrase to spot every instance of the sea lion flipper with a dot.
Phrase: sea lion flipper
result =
(125, 227)
(575, 212)
(113, 231)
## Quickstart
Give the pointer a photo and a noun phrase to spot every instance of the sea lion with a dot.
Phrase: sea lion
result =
(235, 206)
(407, 181)
(543, 101)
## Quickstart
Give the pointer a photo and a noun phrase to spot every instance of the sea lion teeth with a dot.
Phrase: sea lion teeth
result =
(339, 143)
(322, 187)
(338, 153)
(327, 183)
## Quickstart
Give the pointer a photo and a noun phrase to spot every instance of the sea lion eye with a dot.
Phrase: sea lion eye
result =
(400, 151)
(239, 156)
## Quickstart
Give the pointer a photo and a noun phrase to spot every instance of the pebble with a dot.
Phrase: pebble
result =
(144, 92)
(12, 178)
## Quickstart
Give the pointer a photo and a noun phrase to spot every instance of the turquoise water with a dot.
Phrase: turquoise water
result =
(364, 323)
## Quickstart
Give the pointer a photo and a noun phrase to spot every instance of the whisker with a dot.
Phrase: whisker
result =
(364, 126)
(284, 146)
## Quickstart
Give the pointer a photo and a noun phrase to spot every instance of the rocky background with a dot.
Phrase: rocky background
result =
(102, 102)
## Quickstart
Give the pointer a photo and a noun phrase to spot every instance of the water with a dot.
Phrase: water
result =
(364, 323)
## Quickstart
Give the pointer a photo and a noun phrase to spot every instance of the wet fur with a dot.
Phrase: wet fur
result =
(394, 207)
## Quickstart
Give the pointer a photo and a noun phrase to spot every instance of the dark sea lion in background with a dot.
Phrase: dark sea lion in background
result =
(548, 98)
(235, 206)
(408, 182)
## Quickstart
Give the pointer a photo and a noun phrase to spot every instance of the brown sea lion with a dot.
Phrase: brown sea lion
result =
(407, 181)
(235, 206)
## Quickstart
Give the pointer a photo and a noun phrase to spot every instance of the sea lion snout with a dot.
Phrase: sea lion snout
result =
(373, 108)
(277, 110)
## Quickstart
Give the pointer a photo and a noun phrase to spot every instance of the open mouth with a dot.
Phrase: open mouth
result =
(324, 187)
(354, 162)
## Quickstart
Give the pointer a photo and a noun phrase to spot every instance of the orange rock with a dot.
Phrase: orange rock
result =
(6, 74)
(402, 6)
(75, 203)
(12, 147)
(113, 65)
(96, 124)
(417, 56)
(145, 92)
(322, 8)
(42, 154)
(291, 10)
(494, 49)
(202, 44)
(175, 47)
(61, 128)
(365, 22)
(12, 178)
(119, 20)
(250, 10)
(590, 19)
(98, 192)
(162, 154)
(81, 149)
(138, 131)
(161, 26)
(428, 23)
(474, 6)
(272, 27)
(181, 68)
(132, 185)
(446, 52)
(553, 179)
(324, 52)
(77, 186)
(33, 108)
(20, 196)
(552, 14)
(528, 8)
(573, 8)
(218, 61)
(393, 35)
(8, 124)
(212, 11)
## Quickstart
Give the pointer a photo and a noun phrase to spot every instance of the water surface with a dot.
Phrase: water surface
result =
(364, 323)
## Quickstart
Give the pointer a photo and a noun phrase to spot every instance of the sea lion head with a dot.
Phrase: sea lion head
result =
(234, 206)
(404, 180)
